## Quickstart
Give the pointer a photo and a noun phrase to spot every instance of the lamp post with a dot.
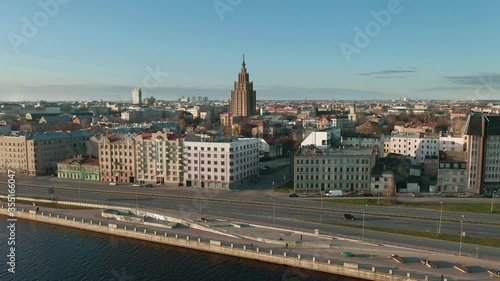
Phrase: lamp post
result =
(440, 218)
(461, 234)
(492, 197)
(363, 232)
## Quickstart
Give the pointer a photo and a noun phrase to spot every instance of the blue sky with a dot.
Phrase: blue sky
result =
(90, 49)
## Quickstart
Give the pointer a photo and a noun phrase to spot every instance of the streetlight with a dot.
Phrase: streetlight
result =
(440, 218)
(363, 232)
(461, 234)
(492, 197)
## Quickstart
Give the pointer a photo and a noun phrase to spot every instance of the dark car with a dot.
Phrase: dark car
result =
(293, 195)
(448, 195)
(148, 185)
(367, 194)
(353, 194)
(349, 217)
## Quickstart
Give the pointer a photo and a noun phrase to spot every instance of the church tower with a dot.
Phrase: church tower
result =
(243, 97)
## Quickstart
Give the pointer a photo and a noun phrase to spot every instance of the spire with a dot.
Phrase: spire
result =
(243, 64)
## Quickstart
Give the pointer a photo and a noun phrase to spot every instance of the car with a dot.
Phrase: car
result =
(416, 194)
(148, 185)
(367, 194)
(136, 184)
(293, 195)
(347, 254)
(448, 195)
(462, 195)
(112, 183)
(349, 217)
(477, 196)
(353, 194)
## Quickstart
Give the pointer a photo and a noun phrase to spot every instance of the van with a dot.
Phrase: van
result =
(334, 193)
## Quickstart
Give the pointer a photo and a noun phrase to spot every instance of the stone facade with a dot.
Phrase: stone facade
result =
(243, 97)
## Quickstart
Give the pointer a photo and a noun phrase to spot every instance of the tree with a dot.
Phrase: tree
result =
(182, 125)
(85, 123)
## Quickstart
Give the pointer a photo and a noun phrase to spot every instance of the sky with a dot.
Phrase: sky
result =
(295, 49)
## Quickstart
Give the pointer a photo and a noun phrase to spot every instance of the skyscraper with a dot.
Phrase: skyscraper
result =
(137, 96)
(243, 97)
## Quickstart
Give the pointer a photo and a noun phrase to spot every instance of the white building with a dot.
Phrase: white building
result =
(414, 146)
(452, 143)
(318, 139)
(215, 164)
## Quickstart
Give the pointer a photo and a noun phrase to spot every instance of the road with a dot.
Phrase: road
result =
(289, 217)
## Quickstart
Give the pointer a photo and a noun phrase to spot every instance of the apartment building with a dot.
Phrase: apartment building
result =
(361, 140)
(414, 146)
(319, 170)
(222, 164)
(38, 153)
(117, 158)
(451, 172)
(483, 153)
(452, 143)
(159, 158)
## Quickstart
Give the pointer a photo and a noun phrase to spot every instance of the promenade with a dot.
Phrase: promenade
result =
(300, 247)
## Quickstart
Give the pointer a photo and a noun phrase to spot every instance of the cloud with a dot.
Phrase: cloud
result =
(388, 72)
(444, 88)
(482, 79)
(386, 77)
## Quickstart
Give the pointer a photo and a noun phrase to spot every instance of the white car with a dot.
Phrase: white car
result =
(136, 184)
(112, 183)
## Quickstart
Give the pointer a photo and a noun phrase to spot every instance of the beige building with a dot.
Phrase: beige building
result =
(320, 170)
(243, 97)
(117, 159)
(38, 153)
(451, 172)
(159, 158)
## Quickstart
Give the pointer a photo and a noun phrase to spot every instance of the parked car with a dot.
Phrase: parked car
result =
(349, 217)
(353, 194)
(478, 196)
(462, 195)
(136, 184)
(416, 194)
(112, 183)
(293, 195)
(148, 185)
(448, 195)
(367, 194)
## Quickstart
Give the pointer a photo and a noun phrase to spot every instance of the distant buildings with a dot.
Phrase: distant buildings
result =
(137, 96)
(243, 97)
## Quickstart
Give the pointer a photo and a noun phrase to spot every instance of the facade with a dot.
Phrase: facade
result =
(221, 164)
(137, 96)
(38, 153)
(79, 168)
(160, 158)
(414, 146)
(382, 182)
(483, 153)
(117, 159)
(452, 143)
(243, 97)
(319, 170)
(452, 172)
(359, 140)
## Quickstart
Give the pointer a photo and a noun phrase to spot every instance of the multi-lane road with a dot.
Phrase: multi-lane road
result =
(267, 207)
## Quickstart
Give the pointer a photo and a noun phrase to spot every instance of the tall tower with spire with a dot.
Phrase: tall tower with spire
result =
(243, 97)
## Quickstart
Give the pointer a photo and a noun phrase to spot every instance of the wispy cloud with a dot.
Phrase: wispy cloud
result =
(475, 80)
(388, 72)
(444, 88)
(390, 77)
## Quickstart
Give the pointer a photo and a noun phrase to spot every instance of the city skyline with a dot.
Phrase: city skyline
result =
(340, 50)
